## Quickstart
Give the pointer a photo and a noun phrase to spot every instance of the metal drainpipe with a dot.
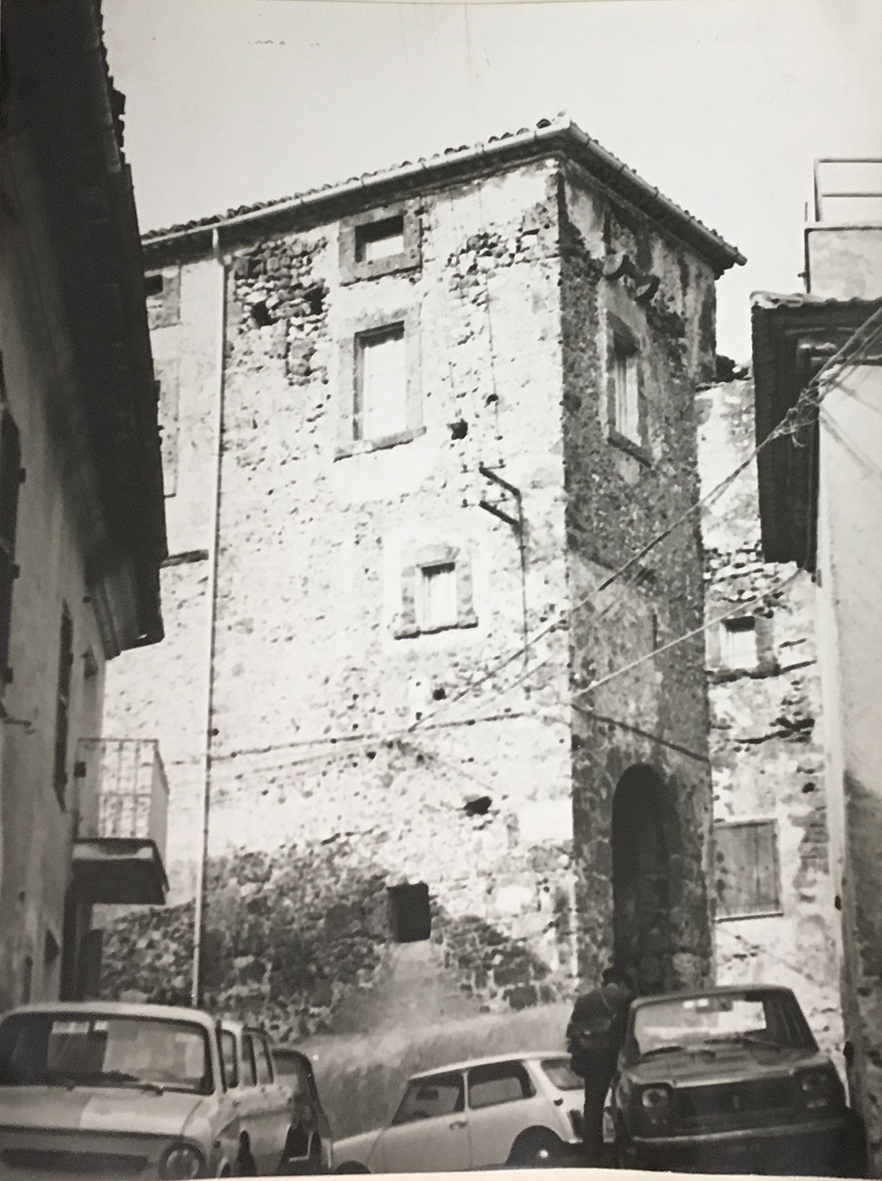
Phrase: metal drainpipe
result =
(202, 865)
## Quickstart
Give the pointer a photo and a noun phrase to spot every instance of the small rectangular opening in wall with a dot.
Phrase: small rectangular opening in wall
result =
(740, 649)
(436, 603)
(410, 917)
(153, 284)
(379, 239)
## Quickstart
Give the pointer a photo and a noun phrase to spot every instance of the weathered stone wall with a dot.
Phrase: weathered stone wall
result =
(433, 758)
(619, 497)
(312, 688)
(767, 730)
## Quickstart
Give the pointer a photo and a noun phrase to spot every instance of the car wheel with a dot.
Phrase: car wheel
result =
(536, 1148)
(352, 1167)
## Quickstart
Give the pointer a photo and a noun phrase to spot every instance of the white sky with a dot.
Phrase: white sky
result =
(723, 104)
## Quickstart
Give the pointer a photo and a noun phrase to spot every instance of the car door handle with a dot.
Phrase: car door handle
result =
(458, 1123)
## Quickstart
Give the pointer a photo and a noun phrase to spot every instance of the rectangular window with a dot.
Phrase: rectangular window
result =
(437, 599)
(626, 390)
(740, 649)
(379, 239)
(501, 1082)
(746, 869)
(379, 242)
(10, 482)
(380, 384)
(248, 1073)
(62, 703)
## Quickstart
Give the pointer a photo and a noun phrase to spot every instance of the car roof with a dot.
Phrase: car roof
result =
(716, 990)
(118, 1009)
(529, 1056)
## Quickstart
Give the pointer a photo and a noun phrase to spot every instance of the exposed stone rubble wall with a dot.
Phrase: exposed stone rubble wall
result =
(427, 757)
(766, 730)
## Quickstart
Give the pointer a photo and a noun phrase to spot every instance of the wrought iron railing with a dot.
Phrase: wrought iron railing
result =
(123, 791)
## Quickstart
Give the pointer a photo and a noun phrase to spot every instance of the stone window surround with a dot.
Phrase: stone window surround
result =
(352, 269)
(776, 910)
(766, 662)
(347, 444)
(407, 625)
(619, 334)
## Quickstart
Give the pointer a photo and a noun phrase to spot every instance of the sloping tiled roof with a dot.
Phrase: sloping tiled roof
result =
(548, 135)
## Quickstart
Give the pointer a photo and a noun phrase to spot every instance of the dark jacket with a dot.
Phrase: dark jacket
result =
(598, 1025)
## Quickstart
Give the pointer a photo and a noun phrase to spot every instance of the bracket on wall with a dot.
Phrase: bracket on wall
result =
(516, 522)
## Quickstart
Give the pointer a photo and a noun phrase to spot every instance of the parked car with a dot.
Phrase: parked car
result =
(310, 1145)
(516, 1110)
(136, 1091)
(730, 1080)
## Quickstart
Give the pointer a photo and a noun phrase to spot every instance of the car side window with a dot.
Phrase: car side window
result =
(229, 1057)
(249, 1071)
(262, 1061)
(426, 1098)
(500, 1082)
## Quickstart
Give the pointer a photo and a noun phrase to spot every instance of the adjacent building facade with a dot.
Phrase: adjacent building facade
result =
(772, 878)
(821, 507)
(81, 505)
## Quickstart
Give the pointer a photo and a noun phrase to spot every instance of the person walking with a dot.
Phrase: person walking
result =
(595, 1036)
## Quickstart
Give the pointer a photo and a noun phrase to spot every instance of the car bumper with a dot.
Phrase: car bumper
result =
(822, 1148)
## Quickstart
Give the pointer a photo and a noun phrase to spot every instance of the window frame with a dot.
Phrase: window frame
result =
(407, 623)
(353, 269)
(623, 343)
(512, 1067)
(734, 626)
(63, 694)
(776, 907)
(351, 375)
(11, 476)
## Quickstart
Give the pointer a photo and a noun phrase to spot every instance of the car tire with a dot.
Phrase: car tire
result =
(352, 1167)
(537, 1148)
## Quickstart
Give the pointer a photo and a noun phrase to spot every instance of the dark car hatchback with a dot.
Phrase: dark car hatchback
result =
(731, 1080)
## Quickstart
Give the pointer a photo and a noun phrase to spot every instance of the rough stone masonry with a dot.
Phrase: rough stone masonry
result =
(436, 410)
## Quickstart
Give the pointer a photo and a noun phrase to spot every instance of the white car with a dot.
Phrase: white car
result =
(521, 1109)
(136, 1092)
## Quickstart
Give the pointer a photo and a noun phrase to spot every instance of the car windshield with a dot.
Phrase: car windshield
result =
(75, 1049)
(769, 1019)
(562, 1075)
(428, 1097)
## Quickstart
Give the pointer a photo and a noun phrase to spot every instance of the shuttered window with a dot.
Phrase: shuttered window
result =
(62, 703)
(10, 482)
(746, 869)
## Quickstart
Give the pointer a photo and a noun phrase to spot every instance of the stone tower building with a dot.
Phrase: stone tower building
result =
(413, 426)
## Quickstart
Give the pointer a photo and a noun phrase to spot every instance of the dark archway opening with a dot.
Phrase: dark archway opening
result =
(645, 835)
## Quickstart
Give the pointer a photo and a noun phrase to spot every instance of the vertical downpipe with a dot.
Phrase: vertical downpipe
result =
(202, 865)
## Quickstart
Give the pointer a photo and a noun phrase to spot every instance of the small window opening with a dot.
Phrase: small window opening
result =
(410, 917)
(153, 284)
(260, 314)
(436, 600)
(740, 646)
(379, 239)
(314, 299)
(627, 394)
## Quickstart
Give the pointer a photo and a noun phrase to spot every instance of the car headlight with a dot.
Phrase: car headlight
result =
(656, 1105)
(181, 1162)
(819, 1089)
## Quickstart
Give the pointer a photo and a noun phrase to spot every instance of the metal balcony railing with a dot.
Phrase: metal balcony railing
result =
(123, 790)
(848, 190)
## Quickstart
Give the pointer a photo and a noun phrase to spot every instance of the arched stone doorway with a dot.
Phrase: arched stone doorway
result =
(645, 844)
